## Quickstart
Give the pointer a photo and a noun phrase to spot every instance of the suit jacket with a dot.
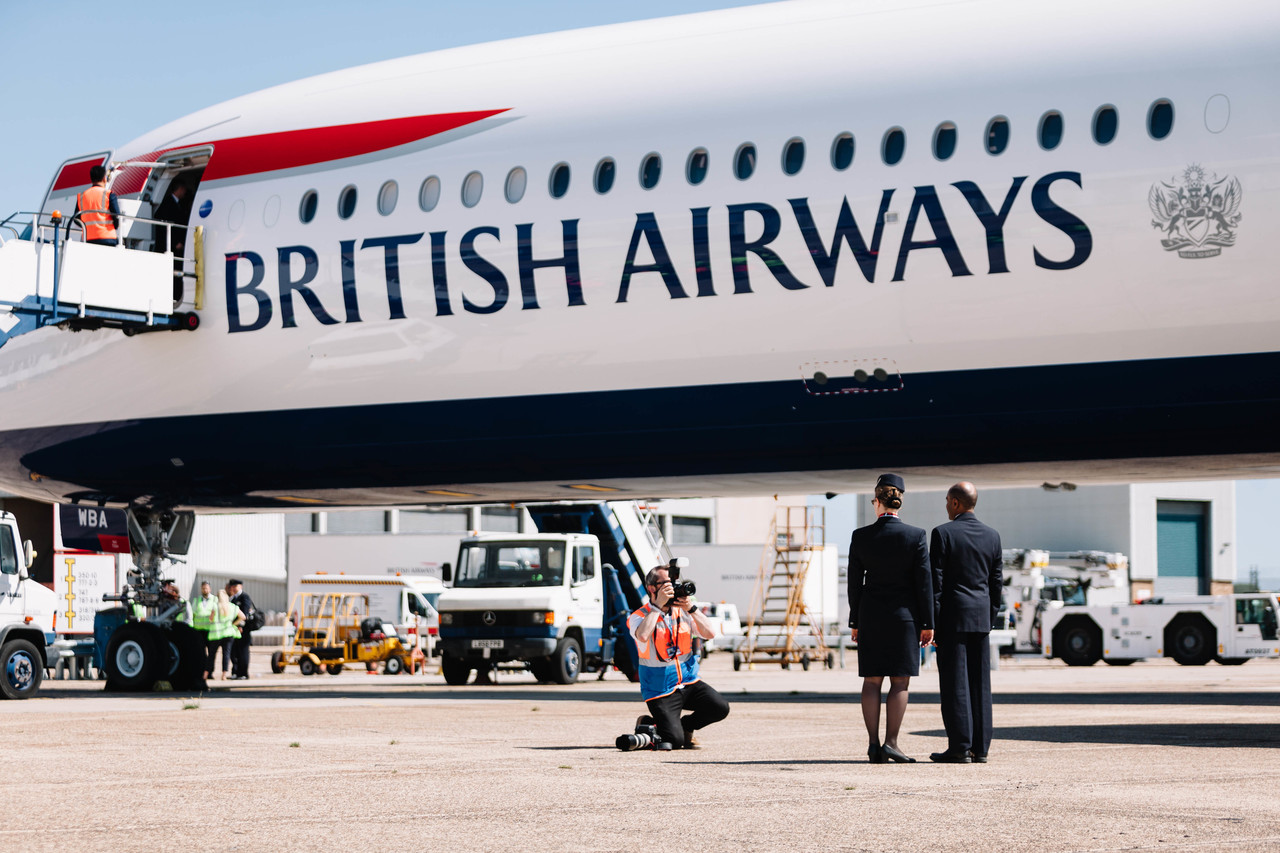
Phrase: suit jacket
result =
(245, 603)
(889, 570)
(968, 578)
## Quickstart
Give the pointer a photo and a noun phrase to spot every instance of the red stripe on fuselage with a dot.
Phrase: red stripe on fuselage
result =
(269, 152)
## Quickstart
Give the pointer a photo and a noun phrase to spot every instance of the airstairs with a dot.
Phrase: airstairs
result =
(50, 277)
(780, 628)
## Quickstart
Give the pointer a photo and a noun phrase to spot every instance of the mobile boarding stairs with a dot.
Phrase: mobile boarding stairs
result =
(50, 277)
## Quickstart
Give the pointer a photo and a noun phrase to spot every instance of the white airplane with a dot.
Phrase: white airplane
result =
(772, 249)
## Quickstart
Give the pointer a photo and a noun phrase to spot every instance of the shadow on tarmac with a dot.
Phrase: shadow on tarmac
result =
(1230, 735)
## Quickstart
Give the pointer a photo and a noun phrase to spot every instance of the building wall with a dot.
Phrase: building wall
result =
(1145, 497)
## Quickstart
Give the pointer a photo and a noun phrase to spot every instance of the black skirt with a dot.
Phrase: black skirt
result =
(887, 648)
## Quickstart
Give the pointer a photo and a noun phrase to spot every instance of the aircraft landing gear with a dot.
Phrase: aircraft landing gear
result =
(144, 651)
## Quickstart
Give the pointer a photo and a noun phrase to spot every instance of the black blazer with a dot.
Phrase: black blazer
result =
(889, 570)
(968, 578)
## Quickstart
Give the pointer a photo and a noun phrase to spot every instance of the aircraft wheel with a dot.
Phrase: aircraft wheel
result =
(134, 659)
(187, 645)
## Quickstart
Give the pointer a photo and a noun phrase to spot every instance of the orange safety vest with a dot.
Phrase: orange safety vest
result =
(98, 225)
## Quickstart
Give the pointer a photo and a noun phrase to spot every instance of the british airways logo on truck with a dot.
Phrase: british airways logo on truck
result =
(254, 300)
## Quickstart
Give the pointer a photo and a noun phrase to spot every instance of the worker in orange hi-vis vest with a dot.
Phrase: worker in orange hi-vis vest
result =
(99, 210)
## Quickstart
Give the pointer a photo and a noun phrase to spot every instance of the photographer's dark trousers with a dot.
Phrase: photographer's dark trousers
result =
(707, 707)
(964, 682)
(240, 656)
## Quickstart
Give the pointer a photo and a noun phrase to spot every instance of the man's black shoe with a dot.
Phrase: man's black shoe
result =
(977, 759)
(950, 757)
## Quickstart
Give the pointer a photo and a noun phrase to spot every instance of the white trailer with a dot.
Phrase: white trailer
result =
(1193, 630)
(409, 603)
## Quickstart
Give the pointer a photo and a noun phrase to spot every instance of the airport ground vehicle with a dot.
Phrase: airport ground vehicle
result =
(1036, 580)
(556, 601)
(1192, 630)
(724, 616)
(408, 603)
(27, 614)
(334, 630)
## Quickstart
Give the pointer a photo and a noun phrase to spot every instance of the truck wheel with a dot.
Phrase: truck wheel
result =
(540, 668)
(456, 672)
(1119, 661)
(334, 668)
(1232, 661)
(277, 662)
(134, 660)
(21, 669)
(1079, 643)
(393, 666)
(306, 665)
(567, 662)
(1190, 640)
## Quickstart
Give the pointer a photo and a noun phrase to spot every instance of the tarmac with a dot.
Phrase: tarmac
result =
(1147, 757)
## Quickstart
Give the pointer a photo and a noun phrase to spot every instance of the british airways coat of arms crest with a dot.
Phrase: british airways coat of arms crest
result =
(1198, 212)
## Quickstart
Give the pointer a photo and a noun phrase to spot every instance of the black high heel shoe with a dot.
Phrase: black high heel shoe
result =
(893, 754)
(875, 754)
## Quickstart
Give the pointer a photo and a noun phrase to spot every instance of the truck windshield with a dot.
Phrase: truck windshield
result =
(510, 564)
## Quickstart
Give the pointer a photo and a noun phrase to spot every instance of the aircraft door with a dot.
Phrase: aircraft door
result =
(71, 179)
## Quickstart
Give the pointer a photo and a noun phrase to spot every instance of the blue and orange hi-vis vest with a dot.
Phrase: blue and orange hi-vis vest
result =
(666, 661)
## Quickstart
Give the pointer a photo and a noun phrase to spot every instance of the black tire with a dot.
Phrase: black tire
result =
(393, 666)
(21, 669)
(1232, 661)
(1119, 661)
(786, 663)
(307, 666)
(1079, 642)
(567, 663)
(134, 659)
(1190, 641)
(541, 669)
(334, 668)
(830, 661)
(804, 661)
(370, 666)
(737, 661)
(456, 672)
(188, 674)
(277, 662)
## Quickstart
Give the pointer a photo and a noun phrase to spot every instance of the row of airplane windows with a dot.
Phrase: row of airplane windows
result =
(1105, 126)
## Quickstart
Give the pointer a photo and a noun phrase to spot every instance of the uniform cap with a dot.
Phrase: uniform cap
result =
(892, 480)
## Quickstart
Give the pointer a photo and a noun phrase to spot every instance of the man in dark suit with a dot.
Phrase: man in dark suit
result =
(967, 584)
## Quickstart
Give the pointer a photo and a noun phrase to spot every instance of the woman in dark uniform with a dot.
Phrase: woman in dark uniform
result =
(890, 612)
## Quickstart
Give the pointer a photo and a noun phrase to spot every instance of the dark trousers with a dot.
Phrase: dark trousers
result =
(240, 655)
(212, 647)
(964, 682)
(707, 707)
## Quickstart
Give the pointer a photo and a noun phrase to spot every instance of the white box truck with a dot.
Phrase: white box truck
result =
(27, 616)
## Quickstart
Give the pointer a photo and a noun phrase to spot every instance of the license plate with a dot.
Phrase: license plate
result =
(486, 644)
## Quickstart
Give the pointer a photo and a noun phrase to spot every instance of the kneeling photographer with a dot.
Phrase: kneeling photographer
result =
(663, 630)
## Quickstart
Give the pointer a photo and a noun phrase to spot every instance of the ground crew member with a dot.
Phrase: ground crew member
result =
(223, 631)
(202, 620)
(100, 210)
(663, 631)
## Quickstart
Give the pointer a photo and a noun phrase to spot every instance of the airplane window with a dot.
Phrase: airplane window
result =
(1104, 125)
(347, 202)
(744, 162)
(650, 171)
(944, 140)
(307, 210)
(793, 156)
(842, 152)
(388, 195)
(1050, 130)
(472, 187)
(895, 143)
(696, 171)
(997, 135)
(559, 180)
(1160, 119)
(517, 180)
(429, 194)
(606, 170)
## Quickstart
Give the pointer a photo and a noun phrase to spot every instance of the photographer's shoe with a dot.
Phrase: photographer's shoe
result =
(690, 742)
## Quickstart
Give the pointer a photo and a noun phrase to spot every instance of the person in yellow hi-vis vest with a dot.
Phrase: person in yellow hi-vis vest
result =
(223, 631)
(202, 620)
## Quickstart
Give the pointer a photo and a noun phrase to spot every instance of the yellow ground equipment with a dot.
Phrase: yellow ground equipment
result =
(333, 630)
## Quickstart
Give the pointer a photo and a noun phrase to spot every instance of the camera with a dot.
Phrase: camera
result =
(645, 737)
(680, 589)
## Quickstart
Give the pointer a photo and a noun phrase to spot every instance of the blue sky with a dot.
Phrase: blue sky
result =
(160, 61)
